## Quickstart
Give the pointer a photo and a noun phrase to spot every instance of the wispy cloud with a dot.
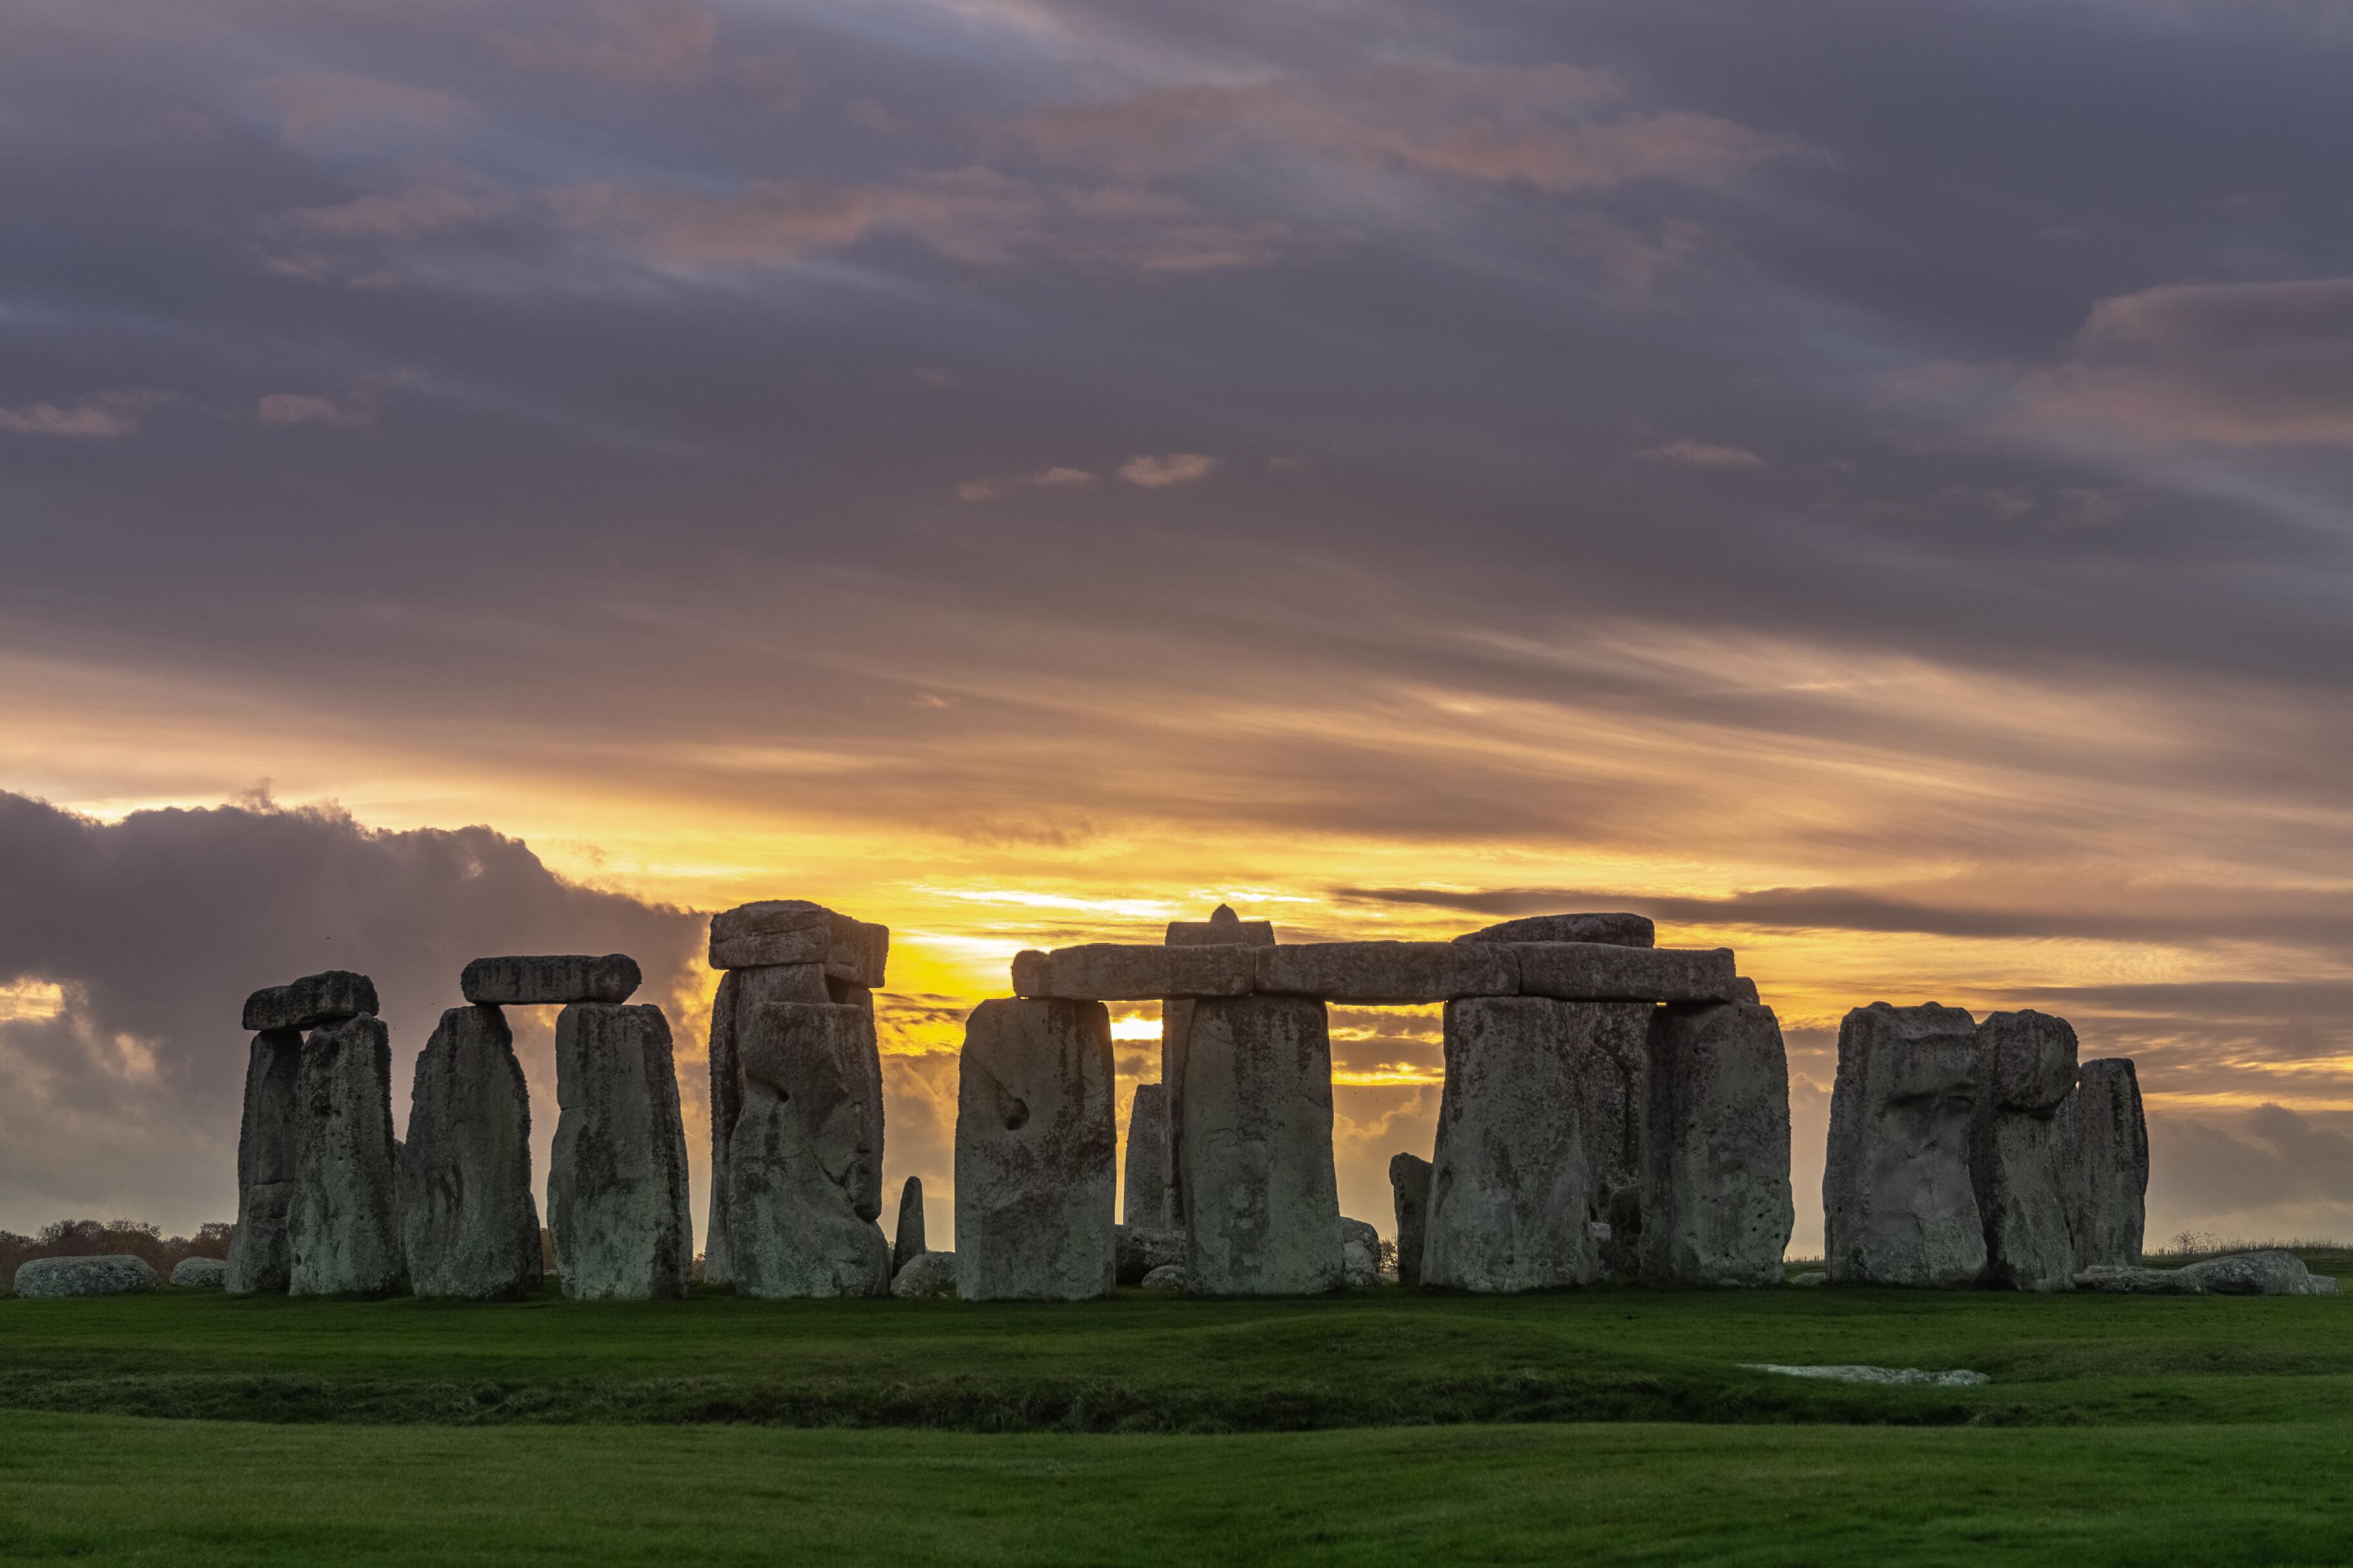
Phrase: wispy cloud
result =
(1692, 454)
(1175, 468)
(997, 488)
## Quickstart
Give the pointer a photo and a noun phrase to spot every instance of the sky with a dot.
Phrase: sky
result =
(1864, 485)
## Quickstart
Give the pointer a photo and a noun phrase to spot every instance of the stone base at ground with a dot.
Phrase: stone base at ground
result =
(344, 1232)
(1035, 1141)
(1261, 1204)
(1140, 1249)
(1899, 1206)
(200, 1273)
(1716, 1207)
(469, 1226)
(1168, 1276)
(616, 1180)
(803, 1163)
(925, 1275)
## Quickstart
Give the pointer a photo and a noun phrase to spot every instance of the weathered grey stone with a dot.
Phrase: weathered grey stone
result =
(1410, 1192)
(1387, 973)
(550, 978)
(803, 1164)
(200, 1273)
(1511, 1188)
(925, 1275)
(1176, 1030)
(1222, 929)
(1716, 1207)
(2102, 1158)
(1619, 931)
(1360, 1252)
(1168, 1276)
(1114, 971)
(109, 1274)
(261, 1254)
(2264, 1273)
(1744, 990)
(326, 997)
(907, 1240)
(343, 1231)
(1145, 1199)
(1609, 1046)
(1261, 1203)
(2028, 1063)
(616, 1188)
(1605, 972)
(783, 931)
(1898, 1204)
(740, 990)
(1142, 1249)
(469, 1225)
(1035, 1145)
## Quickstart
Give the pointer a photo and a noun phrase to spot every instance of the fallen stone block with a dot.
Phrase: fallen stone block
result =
(2270, 1272)
(1142, 1248)
(1716, 1207)
(1222, 929)
(1899, 1206)
(1360, 1253)
(1617, 930)
(1511, 1189)
(109, 1274)
(804, 1162)
(1397, 974)
(907, 1240)
(924, 1276)
(2028, 1063)
(740, 990)
(261, 1253)
(2103, 1160)
(1110, 972)
(1146, 1191)
(1603, 971)
(1168, 1276)
(200, 1273)
(469, 1226)
(1262, 1206)
(343, 1231)
(793, 931)
(1409, 1192)
(327, 998)
(1036, 1144)
(617, 1182)
(550, 979)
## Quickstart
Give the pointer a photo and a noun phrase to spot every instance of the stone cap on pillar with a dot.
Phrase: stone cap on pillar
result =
(1222, 929)
(326, 997)
(793, 930)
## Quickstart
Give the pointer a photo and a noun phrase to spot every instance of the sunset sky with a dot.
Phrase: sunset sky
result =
(1866, 484)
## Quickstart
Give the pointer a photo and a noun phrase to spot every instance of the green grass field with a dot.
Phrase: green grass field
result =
(1612, 1425)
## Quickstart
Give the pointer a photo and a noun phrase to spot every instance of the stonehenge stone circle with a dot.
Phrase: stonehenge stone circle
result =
(200, 1273)
(617, 1190)
(543, 979)
(1261, 1204)
(1716, 1207)
(907, 1240)
(2028, 1062)
(1142, 1249)
(1511, 1189)
(344, 1228)
(1036, 1144)
(923, 1275)
(2102, 1158)
(469, 1225)
(1898, 1204)
(1360, 1252)
(1145, 1199)
(327, 998)
(261, 1253)
(803, 1187)
(789, 931)
(1618, 929)
(109, 1274)
(1410, 1192)
(1222, 929)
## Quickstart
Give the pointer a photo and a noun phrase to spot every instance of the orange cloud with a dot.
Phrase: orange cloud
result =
(1159, 473)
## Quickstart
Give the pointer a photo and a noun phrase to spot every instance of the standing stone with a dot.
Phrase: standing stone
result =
(1261, 1202)
(1146, 1193)
(2028, 1063)
(469, 1223)
(740, 991)
(804, 1188)
(1360, 1252)
(261, 1255)
(2103, 1157)
(1222, 929)
(1409, 1192)
(616, 1191)
(907, 1241)
(1716, 1207)
(1898, 1204)
(1036, 1147)
(344, 1229)
(1510, 1187)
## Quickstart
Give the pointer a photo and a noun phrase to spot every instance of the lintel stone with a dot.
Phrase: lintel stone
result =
(328, 997)
(1115, 971)
(1393, 973)
(794, 930)
(1605, 972)
(554, 979)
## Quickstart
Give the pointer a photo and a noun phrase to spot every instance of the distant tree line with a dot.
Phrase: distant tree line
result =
(93, 1237)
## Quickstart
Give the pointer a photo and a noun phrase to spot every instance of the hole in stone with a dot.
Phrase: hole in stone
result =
(1017, 1118)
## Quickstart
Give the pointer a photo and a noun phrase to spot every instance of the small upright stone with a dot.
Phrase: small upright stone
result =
(1037, 1131)
(1261, 1203)
(1717, 1208)
(2102, 1158)
(1146, 1190)
(199, 1274)
(550, 979)
(2028, 1061)
(804, 1183)
(1222, 929)
(1618, 929)
(1898, 1204)
(469, 1226)
(328, 997)
(1511, 1188)
(345, 1231)
(261, 1254)
(1360, 1252)
(907, 1240)
(1410, 1192)
(617, 1177)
